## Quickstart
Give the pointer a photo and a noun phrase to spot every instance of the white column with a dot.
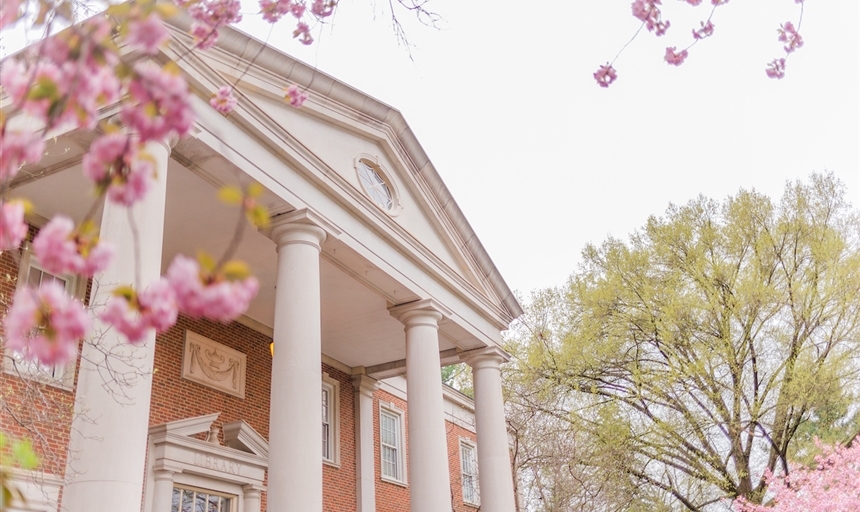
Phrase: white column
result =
(108, 436)
(429, 483)
(364, 451)
(252, 495)
(295, 421)
(162, 493)
(494, 459)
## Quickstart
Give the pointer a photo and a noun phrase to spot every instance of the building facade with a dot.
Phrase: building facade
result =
(326, 395)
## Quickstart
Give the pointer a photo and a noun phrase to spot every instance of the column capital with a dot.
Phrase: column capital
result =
(420, 312)
(164, 474)
(364, 385)
(300, 226)
(169, 143)
(252, 490)
(485, 357)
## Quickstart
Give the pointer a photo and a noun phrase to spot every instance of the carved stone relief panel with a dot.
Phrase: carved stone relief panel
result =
(213, 365)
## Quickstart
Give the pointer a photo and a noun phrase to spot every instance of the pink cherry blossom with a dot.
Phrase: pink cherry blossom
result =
(832, 485)
(273, 10)
(18, 148)
(706, 30)
(675, 58)
(62, 249)
(160, 105)
(788, 35)
(99, 87)
(303, 33)
(295, 96)
(776, 69)
(134, 315)
(694, 2)
(605, 75)
(323, 8)
(158, 304)
(649, 13)
(210, 16)
(120, 315)
(200, 295)
(223, 101)
(52, 85)
(297, 9)
(147, 35)
(10, 10)
(118, 167)
(45, 325)
(13, 229)
(216, 13)
(15, 78)
(204, 36)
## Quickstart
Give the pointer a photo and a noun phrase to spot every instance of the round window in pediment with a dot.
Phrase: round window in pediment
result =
(375, 185)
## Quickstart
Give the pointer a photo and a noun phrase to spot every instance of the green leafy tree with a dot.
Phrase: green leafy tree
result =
(710, 347)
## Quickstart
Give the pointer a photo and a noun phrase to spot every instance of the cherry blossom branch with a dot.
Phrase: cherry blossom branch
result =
(648, 11)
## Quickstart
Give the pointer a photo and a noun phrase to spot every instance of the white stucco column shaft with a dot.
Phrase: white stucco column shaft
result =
(162, 493)
(364, 452)
(252, 496)
(429, 482)
(109, 431)
(295, 428)
(494, 459)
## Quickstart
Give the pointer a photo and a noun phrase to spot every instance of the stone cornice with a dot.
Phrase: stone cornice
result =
(282, 65)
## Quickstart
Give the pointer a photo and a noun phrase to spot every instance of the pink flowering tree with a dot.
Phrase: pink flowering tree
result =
(653, 20)
(831, 484)
(64, 82)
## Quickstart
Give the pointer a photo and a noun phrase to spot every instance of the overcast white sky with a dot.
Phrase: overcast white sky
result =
(542, 161)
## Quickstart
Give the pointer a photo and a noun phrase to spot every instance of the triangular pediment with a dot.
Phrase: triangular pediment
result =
(339, 129)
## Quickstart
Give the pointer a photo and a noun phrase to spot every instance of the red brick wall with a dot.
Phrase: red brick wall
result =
(455, 433)
(47, 425)
(390, 497)
(174, 398)
(339, 493)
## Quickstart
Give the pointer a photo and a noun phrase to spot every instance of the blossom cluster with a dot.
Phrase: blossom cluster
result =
(652, 18)
(788, 35)
(649, 13)
(67, 81)
(832, 485)
(274, 10)
(209, 16)
(45, 324)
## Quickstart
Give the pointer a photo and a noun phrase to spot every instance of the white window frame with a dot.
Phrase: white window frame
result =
(389, 409)
(234, 499)
(61, 375)
(373, 162)
(333, 387)
(468, 444)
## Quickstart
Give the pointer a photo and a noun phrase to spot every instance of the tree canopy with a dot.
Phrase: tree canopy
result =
(700, 354)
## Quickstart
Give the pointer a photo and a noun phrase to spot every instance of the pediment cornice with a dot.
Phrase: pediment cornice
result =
(344, 106)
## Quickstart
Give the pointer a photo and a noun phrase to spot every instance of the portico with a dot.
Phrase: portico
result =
(368, 265)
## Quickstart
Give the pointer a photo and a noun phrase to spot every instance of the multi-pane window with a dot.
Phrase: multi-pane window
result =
(469, 473)
(327, 422)
(59, 374)
(330, 426)
(189, 499)
(392, 445)
(375, 185)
